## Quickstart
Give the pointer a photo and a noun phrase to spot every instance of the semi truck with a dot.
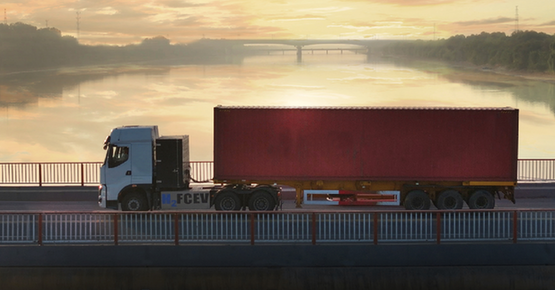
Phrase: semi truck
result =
(438, 156)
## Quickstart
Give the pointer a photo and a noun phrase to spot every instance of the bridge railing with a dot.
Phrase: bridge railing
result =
(74, 173)
(77, 173)
(175, 228)
(87, 173)
(536, 170)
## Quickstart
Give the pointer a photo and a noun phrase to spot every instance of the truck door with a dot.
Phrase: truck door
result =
(118, 173)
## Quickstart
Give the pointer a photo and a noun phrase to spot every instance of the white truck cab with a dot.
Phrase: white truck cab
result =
(137, 159)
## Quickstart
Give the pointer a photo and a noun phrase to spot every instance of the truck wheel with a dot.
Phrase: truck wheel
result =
(134, 201)
(417, 200)
(261, 200)
(227, 201)
(481, 199)
(449, 199)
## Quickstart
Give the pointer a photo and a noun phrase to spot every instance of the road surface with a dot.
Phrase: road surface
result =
(76, 198)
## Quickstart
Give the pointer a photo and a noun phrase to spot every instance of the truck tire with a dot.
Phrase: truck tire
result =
(449, 199)
(417, 200)
(261, 200)
(481, 199)
(134, 201)
(227, 200)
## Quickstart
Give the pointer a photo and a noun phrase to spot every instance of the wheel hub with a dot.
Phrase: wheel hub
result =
(133, 204)
(261, 204)
(228, 204)
(450, 202)
(482, 202)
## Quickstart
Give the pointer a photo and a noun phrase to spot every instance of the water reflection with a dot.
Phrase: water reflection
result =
(19, 89)
(541, 92)
(65, 115)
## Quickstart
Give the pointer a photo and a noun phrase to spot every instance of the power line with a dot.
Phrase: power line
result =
(5, 17)
(78, 17)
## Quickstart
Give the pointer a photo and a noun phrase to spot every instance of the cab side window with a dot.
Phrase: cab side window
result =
(117, 155)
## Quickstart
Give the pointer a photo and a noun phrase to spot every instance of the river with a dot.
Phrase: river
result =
(64, 115)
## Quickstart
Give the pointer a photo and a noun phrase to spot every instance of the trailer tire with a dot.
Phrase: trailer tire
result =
(449, 199)
(227, 200)
(481, 199)
(261, 200)
(417, 200)
(134, 201)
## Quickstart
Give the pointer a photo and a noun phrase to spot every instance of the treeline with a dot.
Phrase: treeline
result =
(25, 47)
(522, 50)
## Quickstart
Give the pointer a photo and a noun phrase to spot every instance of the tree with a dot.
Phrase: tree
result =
(523, 50)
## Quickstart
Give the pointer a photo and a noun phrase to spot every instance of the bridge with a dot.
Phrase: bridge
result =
(288, 249)
(231, 45)
(240, 227)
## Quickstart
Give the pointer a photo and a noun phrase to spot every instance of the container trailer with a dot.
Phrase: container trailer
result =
(441, 156)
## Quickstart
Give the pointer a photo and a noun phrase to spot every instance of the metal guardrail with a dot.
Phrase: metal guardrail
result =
(74, 173)
(77, 173)
(376, 227)
(87, 173)
(202, 171)
(536, 170)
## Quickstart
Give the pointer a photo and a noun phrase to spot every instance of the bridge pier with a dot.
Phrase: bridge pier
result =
(299, 53)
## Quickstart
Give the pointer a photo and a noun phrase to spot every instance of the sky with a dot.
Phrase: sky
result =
(121, 22)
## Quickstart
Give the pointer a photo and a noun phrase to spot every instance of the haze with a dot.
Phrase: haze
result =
(119, 22)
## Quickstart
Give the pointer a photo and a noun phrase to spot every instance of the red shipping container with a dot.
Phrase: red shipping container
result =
(365, 143)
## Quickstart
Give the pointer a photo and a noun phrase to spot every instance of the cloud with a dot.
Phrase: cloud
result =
(412, 2)
(325, 10)
(377, 25)
(485, 21)
(107, 11)
(179, 4)
(298, 18)
(551, 23)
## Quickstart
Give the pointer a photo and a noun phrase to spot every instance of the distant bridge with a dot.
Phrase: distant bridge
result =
(299, 44)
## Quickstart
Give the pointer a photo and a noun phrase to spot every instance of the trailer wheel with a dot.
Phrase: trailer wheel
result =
(134, 201)
(417, 200)
(227, 200)
(449, 199)
(481, 199)
(261, 200)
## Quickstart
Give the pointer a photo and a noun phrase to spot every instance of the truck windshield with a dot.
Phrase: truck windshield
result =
(117, 155)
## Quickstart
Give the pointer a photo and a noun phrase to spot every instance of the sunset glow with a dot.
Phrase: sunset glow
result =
(120, 22)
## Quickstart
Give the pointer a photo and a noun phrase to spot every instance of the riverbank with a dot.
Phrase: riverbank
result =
(535, 76)
(469, 72)
(433, 66)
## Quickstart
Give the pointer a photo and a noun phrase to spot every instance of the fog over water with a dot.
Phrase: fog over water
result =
(65, 115)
